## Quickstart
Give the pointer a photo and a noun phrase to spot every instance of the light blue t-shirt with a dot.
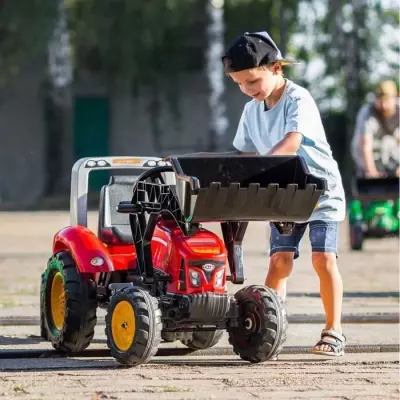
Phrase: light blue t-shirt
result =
(259, 130)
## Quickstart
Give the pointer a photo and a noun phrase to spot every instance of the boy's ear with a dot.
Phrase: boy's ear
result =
(277, 68)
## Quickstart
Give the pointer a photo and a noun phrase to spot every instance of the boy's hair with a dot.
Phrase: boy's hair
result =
(264, 67)
(252, 50)
(386, 88)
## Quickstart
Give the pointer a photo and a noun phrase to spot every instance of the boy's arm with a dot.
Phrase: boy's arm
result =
(365, 130)
(368, 156)
(288, 145)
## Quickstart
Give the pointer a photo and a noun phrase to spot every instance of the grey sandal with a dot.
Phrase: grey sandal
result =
(334, 340)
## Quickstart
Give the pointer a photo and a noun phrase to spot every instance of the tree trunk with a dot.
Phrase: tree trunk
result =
(59, 100)
(215, 47)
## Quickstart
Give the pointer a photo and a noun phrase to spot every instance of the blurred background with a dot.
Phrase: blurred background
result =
(143, 78)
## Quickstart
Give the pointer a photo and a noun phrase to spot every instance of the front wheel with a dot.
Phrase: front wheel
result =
(262, 328)
(133, 326)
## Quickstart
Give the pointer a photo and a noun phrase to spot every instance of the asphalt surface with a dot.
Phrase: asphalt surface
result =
(369, 370)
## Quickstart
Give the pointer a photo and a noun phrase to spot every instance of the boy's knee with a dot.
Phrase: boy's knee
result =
(324, 261)
(282, 261)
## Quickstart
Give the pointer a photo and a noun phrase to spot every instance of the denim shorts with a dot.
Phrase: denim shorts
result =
(323, 237)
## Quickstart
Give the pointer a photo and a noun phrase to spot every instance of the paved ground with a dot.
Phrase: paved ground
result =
(205, 378)
(371, 283)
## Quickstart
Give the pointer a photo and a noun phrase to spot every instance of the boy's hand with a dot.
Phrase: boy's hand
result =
(374, 173)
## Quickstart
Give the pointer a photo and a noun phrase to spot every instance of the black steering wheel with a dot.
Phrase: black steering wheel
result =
(154, 174)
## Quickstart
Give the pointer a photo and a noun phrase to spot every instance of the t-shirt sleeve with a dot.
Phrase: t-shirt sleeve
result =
(366, 124)
(242, 141)
(301, 117)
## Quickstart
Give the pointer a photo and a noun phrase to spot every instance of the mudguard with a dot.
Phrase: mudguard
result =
(84, 246)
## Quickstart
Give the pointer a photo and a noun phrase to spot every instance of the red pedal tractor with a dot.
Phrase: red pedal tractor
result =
(156, 270)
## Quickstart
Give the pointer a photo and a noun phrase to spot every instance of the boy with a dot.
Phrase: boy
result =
(283, 119)
(375, 144)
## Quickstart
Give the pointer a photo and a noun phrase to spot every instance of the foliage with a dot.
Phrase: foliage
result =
(25, 28)
(135, 41)
(346, 53)
(279, 18)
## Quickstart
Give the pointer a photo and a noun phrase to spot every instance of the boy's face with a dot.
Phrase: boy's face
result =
(257, 83)
(386, 105)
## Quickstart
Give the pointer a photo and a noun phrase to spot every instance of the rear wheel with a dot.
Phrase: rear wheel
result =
(133, 326)
(68, 305)
(43, 331)
(356, 236)
(202, 339)
(262, 328)
(169, 337)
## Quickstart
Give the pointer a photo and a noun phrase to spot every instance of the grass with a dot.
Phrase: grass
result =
(8, 303)
(171, 389)
(27, 291)
(163, 389)
(19, 388)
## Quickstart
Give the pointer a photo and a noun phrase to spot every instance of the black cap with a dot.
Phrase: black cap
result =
(252, 50)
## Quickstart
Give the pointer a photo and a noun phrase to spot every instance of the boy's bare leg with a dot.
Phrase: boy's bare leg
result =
(331, 290)
(280, 268)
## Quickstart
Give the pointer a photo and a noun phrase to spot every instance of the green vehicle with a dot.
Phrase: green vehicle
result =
(374, 210)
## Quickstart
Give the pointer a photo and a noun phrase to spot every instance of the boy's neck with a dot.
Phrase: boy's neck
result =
(276, 94)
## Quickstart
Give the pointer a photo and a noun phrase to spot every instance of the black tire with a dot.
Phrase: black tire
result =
(202, 340)
(262, 329)
(43, 331)
(356, 236)
(147, 326)
(168, 337)
(79, 309)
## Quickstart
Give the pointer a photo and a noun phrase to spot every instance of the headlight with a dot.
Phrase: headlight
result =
(97, 261)
(195, 279)
(98, 163)
(219, 277)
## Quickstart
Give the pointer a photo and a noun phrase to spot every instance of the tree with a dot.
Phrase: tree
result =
(25, 28)
(214, 50)
(344, 59)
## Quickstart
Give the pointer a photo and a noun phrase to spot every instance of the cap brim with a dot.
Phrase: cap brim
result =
(288, 62)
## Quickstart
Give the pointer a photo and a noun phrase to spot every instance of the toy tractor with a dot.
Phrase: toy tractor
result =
(156, 270)
(374, 210)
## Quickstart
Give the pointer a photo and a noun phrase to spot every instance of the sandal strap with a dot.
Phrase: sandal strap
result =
(333, 343)
(326, 333)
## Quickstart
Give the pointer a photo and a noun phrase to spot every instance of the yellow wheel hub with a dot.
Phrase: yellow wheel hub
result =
(58, 301)
(123, 325)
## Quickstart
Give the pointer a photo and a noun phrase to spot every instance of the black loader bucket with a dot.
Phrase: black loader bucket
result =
(246, 188)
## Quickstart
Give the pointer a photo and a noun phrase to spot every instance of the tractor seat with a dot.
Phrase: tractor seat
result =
(114, 228)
